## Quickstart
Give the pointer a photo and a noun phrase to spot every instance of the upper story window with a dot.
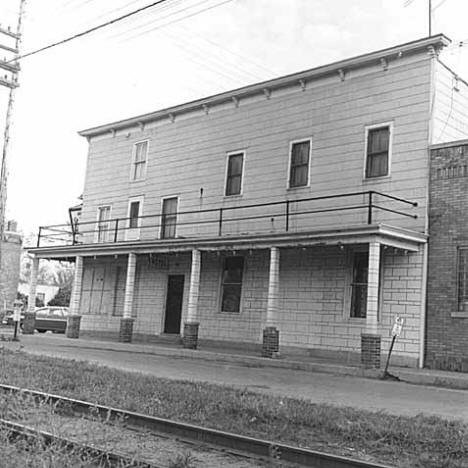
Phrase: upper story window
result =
(462, 279)
(233, 270)
(299, 162)
(378, 139)
(234, 173)
(103, 223)
(135, 211)
(140, 159)
(169, 217)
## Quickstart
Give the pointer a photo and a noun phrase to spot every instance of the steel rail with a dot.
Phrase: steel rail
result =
(106, 457)
(248, 445)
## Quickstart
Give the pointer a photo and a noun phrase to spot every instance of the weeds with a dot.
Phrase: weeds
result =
(421, 441)
(185, 460)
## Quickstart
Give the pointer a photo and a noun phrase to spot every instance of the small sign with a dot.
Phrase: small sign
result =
(16, 314)
(398, 326)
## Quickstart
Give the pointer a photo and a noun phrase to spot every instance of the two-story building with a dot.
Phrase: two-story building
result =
(290, 213)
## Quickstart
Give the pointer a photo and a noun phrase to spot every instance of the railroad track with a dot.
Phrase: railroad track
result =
(235, 443)
(99, 456)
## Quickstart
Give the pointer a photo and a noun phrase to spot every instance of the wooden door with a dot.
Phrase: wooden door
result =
(175, 295)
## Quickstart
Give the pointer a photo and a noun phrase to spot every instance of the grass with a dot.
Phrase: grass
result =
(416, 442)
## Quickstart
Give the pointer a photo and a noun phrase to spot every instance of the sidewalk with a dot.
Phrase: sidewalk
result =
(317, 382)
(207, 353)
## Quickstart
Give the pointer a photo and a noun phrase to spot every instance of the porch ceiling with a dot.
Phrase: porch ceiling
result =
(387, 235)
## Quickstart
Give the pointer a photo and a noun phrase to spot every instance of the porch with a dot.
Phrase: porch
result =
(328, 292)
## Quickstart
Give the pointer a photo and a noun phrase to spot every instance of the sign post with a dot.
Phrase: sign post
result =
(17, 306)
(396, 331)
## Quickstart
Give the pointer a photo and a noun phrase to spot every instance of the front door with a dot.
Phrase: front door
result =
(175, 294)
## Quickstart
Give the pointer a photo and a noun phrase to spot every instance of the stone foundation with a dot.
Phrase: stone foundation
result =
(29, 323)
(73, 326)
(270, 345)
(190, 338)
(370, 351)
(126, 330)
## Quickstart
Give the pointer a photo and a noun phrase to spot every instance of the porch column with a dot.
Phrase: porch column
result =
(190, 339)
(371, 340)
(29, 321)
(74, 319)
(270, 345)
(126, 322)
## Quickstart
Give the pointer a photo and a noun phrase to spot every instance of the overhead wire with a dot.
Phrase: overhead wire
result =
(90, 30)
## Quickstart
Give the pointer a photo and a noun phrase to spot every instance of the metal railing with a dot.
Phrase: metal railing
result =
(292, 214)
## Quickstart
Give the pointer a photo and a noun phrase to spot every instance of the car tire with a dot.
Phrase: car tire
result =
(41, 331)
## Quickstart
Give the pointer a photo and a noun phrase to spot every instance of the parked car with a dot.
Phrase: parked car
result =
(51, 318)
(7, 318)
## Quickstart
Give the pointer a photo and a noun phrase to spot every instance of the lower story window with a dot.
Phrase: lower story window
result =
(233, 270)
(462, 279)
(359, 285)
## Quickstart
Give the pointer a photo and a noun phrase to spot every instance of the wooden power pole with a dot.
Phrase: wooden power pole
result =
(9, 80)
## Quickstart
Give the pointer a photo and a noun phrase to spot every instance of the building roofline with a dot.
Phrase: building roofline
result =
(437, 41)
(449, 144)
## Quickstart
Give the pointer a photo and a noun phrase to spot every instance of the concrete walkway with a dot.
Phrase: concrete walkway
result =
(258, 374)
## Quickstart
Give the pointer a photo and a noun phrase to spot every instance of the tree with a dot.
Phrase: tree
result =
(62, 298)
(24, 299)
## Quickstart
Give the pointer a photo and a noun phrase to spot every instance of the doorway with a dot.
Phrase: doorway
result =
(175, 295)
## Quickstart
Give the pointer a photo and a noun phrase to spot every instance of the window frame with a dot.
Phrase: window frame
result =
(228, 157)
(134, 162)
(460, 249)
(161, 226)
(221, 286)
(348, 284)
(96, 236)
(134, 233)
(377, 126)
(291, 143)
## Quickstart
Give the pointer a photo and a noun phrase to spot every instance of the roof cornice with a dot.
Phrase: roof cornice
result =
(300, 78)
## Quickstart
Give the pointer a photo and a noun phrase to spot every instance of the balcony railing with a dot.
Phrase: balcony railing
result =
(293, 215)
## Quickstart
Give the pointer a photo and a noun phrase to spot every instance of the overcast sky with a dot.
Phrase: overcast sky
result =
(176, 52)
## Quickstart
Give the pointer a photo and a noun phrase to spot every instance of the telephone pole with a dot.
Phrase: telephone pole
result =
(9, 80)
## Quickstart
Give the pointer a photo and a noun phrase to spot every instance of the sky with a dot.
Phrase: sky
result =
(178, 51)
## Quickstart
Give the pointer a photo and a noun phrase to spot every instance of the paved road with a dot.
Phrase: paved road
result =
(393, 397)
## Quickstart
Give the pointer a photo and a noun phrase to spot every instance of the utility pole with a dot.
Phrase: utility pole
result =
(430, 18)
(9, 81)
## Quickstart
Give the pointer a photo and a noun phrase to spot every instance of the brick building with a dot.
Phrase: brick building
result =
(10, 254)
(289, 214)
(447, 299)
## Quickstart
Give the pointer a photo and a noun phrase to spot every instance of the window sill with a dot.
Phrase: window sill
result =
(133, 181)
(384, 178)
(231, 197)
(459, 314)
(301, 187)
(229, 314)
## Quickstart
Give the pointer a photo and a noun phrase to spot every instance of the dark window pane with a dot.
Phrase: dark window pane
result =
(234, 175)
(134, 213)
(300, 153)
(378, 141)
(359, 285)
(463, 280)
(232, 284)
(231, 297)
(299, 172)
(169, 218)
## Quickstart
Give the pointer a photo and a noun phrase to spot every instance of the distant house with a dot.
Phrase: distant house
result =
(291, 213)
(44, 292)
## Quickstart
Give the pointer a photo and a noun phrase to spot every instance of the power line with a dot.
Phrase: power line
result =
(90, 30)
(180, 19)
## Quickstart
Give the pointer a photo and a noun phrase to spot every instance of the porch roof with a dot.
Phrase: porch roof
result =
(387, 235)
